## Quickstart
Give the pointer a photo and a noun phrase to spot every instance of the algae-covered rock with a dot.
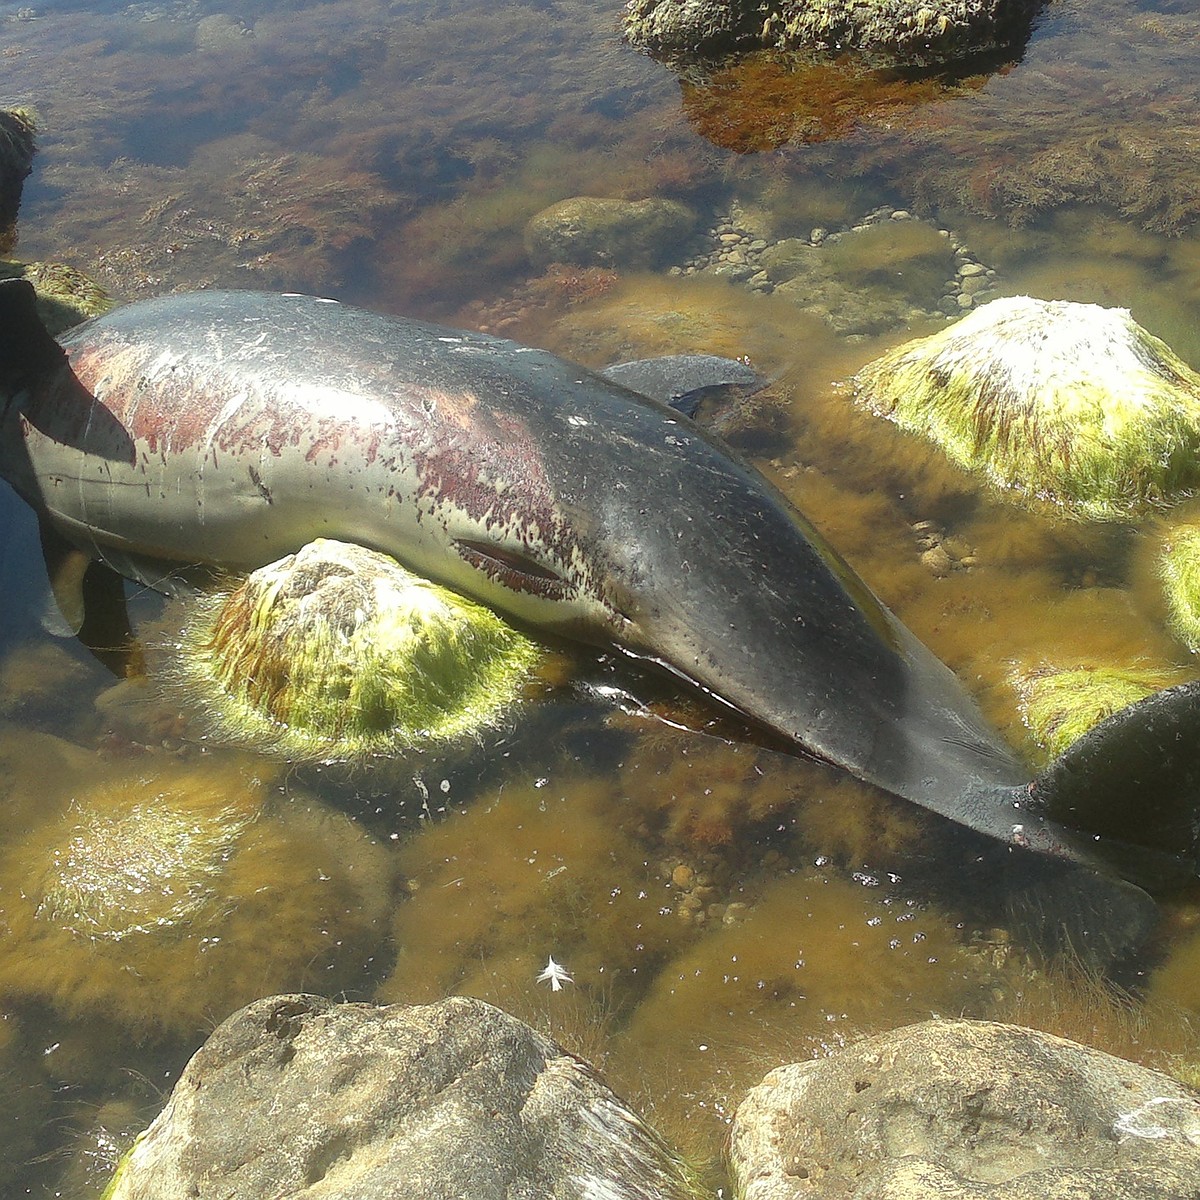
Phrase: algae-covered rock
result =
(1069, 403)
(589, 231)
(337, 652)
(295, 1096)
(908, 31)
(65, 296)
(1061, 706)
(1179, 570)
(164, 895)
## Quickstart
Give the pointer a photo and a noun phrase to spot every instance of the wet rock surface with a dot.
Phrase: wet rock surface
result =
(298, 1096)
(909, 31)
(967, 1109)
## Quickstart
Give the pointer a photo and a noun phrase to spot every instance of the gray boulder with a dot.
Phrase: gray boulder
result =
(905, 31)
(295, 1096)
(967, 1110)
(590, 231)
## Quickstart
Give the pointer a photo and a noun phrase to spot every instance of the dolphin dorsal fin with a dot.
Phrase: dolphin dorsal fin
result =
(683, 381)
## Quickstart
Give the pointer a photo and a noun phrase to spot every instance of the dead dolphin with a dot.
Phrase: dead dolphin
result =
(227, 429)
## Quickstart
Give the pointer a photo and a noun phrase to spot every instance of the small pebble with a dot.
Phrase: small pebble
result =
(937, 561)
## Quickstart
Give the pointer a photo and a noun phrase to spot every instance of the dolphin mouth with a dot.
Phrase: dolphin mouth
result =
(514, 570)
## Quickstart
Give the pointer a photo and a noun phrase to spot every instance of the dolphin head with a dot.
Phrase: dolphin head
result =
(613, 519)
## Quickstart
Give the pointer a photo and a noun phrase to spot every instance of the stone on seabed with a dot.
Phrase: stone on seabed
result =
(967, 1110)
(298, 1096)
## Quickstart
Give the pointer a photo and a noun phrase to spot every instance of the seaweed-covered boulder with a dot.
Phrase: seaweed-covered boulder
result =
(65, 296)
(337, 652)
(162, 894)
(1060, 706)
(297, 1096)
(907, 31)
(967, 1110)
(589, 231)
(1075, 404)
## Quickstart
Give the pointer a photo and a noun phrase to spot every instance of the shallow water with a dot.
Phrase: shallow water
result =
(720, 907)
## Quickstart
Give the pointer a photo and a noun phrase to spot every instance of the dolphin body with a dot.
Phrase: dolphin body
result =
(226, 429)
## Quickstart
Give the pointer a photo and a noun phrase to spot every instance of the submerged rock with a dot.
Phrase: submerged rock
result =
(337, 652)
(589, 231)
(904, 31)
(166, 894)
(1071, 403)
(298, 1096)
(967, 1110)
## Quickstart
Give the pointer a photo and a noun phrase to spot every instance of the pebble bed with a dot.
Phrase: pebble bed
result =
(729, 250)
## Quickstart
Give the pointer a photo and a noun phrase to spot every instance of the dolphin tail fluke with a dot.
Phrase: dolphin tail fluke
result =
(1127, 793)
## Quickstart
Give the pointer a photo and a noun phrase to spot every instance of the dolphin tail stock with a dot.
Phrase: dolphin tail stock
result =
(1126, 795)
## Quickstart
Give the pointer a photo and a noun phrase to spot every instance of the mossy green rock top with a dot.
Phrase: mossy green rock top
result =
(1074, 404)
(336, 653)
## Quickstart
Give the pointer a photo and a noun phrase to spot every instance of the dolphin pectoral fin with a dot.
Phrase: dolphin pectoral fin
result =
(91, 598)
(685, 381)
(66, 566)
(1128, 791)
(26, 347)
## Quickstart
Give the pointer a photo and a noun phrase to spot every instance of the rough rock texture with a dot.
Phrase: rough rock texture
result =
(911, 31)
(295, 1096)
(967, 1110)
(588, 231)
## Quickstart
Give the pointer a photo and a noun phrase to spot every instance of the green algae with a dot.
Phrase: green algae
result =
(1061, 706)
(338, 653)
(1179, 572)
(1050, 401)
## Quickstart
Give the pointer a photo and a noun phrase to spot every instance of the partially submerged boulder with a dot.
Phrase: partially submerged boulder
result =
(1075, 404)
(590, 231)
(905, 31)
(967, 1110)
(336, 653)
(297, 1096)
